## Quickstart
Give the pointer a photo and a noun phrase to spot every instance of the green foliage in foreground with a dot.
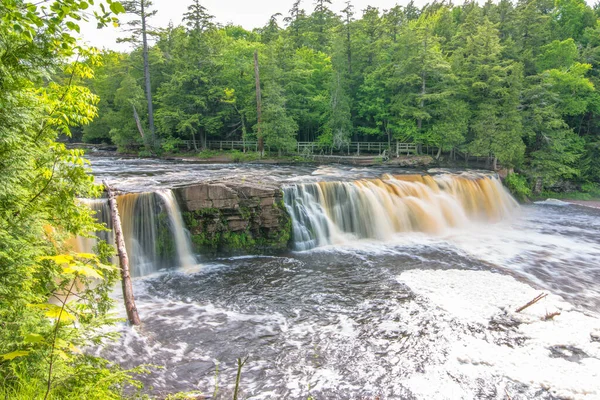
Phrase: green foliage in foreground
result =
(53, 300)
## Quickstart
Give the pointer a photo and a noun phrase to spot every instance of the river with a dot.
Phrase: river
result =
(411, 315)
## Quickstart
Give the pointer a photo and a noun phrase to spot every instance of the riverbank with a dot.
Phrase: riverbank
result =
(236, 156)
(591, 203)
(225, 157)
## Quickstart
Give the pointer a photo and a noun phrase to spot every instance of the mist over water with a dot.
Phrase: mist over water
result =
(416, 313)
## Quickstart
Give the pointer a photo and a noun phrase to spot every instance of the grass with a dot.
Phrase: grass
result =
(589, 191)
(210, 154)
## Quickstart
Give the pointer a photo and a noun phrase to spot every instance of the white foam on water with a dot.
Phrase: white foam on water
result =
(473, 299)
(553, 202)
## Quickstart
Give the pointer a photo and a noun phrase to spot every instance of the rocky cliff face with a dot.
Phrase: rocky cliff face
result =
(235, 217)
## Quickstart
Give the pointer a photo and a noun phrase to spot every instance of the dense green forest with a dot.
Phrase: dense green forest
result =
(53, 301)
(515, 82)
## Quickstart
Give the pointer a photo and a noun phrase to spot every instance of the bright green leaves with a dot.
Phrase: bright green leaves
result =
(73, 26)
(56, 18)
(32, 338)
(48, 305)
(117, 8)
(14, 354)
(573, 88)
(80, 265)
(60, 314)
(557, 55)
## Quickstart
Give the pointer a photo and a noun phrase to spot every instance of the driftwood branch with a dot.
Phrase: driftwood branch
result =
(532, 302)
(132, 314)
(551, 315)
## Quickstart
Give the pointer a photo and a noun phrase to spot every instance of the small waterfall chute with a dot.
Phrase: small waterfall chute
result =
(181, 235)
(155, 235)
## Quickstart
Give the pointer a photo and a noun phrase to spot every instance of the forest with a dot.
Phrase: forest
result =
(512, 82)
(515, 82)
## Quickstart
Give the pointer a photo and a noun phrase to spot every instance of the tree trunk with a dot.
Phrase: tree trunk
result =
(194, 141)
(349, 43)
(261, 144)
(132, 314)
(139, 123)
(202, 139)
(147, 76)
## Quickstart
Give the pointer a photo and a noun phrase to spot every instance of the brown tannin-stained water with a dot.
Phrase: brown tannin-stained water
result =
(401, 286)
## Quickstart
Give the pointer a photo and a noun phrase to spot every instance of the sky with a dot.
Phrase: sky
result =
(247, 13)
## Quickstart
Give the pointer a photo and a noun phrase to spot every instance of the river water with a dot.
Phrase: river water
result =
(411, 315)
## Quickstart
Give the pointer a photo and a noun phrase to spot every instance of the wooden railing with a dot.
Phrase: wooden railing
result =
(314, 147)
(223, 145)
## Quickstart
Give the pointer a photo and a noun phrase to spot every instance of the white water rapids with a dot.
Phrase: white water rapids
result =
(422, 312)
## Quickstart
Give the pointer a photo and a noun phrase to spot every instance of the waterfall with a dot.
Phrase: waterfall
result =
(334, 212)
(140, 221)
(154, 232)
(101, 211)
(182, 237)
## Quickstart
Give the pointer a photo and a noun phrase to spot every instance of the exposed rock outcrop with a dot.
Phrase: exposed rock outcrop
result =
(411, 161)
(235, 217)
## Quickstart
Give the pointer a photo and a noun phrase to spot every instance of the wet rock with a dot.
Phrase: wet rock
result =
(411, 161)
(235, 217)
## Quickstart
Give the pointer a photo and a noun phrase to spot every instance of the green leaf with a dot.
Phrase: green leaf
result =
(73, 26)
(54, 311)
(117, 8)
(84, 270)
(33, 338)
(14, 354)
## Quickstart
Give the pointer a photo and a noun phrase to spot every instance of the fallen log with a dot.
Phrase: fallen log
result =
(132, 314)
(532, 302)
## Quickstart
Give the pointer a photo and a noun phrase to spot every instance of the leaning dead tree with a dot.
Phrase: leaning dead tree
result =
(132, 314)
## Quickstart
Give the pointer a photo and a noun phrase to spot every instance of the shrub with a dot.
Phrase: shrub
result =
(518, 186)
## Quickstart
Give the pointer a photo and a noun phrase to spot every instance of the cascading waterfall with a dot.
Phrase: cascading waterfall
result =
(334, 212)
(181, 235)
(102, 214)
(140, 221)
(154, 232)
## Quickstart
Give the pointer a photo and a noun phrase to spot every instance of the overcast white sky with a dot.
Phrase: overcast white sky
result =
(247, 13)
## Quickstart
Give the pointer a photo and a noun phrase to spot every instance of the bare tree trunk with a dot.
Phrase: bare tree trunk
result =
(439, 153)
(138, 123)
(349, 44)
(132, 314)
(194, 141)
(261, 144)
(147, 76)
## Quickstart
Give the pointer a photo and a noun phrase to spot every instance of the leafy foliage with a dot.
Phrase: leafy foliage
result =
(513, 82)
(53, 300)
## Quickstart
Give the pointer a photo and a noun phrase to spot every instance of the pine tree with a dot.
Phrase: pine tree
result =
(140, 30)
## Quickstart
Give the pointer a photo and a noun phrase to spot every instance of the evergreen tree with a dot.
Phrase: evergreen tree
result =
(140, 31)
